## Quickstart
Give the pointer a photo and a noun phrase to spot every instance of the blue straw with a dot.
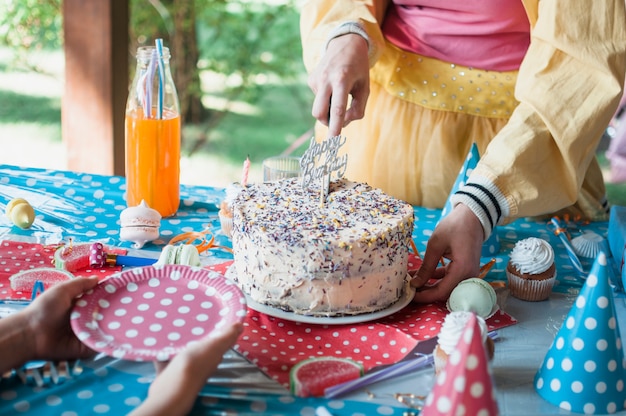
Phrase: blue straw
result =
(159, 46)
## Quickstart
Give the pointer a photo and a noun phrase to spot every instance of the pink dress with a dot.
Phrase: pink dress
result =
(485, 34)
(616, 153)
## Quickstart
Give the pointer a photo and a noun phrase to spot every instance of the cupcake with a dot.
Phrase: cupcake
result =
(225, 213)
(531, 271)
(453, 326)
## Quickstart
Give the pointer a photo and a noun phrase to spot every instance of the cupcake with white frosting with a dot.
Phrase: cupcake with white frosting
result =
(450, 333)
(531, 271)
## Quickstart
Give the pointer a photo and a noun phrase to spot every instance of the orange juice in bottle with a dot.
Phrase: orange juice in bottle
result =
(153, 132)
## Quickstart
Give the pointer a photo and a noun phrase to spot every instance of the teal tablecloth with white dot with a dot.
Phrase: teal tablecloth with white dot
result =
(87, 207)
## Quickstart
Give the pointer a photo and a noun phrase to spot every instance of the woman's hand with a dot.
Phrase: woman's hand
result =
(459, 238)
(342, 72)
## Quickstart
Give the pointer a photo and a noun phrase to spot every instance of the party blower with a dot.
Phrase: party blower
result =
(186, 254)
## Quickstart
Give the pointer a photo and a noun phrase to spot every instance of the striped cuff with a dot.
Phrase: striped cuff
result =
(485, 201)
(349, 27)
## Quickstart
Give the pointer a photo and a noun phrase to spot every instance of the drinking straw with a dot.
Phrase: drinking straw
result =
(142, 92)
(159, 47)
(144, 86)
(147, 110)
(560, 232)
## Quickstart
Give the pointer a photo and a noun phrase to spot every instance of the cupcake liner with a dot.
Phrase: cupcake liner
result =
(226, 224)
(589, 245)
(528, 289)
(440, 359)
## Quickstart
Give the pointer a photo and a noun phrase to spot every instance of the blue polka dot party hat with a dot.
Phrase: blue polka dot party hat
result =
(584, 370)
(492, 245)
(465, 385)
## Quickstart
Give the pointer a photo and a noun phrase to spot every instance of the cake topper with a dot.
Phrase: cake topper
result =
(321, 160)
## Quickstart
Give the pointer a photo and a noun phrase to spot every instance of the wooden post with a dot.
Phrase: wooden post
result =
(96, 84)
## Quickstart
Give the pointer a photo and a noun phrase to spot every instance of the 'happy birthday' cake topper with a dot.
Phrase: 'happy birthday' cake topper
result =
(321, 160)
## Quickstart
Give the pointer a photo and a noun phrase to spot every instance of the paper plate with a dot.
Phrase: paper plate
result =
(152, 312)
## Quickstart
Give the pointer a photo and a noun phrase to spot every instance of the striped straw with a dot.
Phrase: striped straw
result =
(149, 77)
(560, 232)
(159, 47)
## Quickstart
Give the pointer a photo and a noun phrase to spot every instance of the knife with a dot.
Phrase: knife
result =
(419, 357)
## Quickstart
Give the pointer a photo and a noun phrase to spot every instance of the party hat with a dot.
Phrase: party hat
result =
(492, 245)
(584, 370)
(464, 386)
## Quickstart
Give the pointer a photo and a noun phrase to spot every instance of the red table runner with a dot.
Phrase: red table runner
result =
(275, 345)
(16, 256)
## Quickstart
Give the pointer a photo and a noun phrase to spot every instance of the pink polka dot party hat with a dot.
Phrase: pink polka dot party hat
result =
(465, 386)
(584, 370)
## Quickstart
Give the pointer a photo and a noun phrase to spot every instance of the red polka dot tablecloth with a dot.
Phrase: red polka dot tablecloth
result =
(18, 256)
(275, 345)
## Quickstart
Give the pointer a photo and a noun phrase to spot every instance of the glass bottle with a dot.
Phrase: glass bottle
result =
(153, 134)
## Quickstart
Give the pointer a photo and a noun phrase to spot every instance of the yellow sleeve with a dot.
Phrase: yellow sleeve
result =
(569, 86)
(319, 17)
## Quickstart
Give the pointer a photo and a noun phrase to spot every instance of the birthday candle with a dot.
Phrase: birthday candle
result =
(246, 172)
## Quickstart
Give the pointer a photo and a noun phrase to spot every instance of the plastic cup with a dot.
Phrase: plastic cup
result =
(281, 167)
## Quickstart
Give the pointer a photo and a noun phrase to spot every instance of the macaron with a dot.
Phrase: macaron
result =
(473, 295)
(139, 224)
(185, 254)
(20, 212)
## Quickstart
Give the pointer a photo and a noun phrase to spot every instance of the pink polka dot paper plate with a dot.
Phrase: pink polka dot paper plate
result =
(152, 312)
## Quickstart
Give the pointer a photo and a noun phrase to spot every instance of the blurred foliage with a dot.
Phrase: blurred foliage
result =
(250, 43)
(245, 39)
(239, 38)
(27, 24)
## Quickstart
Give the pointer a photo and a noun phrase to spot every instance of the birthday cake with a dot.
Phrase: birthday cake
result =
(344, 254)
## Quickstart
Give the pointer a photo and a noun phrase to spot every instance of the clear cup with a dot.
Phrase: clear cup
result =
(281, 167)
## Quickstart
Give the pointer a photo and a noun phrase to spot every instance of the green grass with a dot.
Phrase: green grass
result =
(29, 109)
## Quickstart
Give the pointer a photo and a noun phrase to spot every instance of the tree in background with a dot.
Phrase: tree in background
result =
(244, 40)
(241, 39)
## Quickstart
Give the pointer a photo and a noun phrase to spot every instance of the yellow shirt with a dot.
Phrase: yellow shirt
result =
(567, 89)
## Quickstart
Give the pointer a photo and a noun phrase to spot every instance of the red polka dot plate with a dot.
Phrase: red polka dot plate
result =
(152, 312)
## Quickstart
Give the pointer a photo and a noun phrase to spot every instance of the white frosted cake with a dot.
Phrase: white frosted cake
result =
(345, 257)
